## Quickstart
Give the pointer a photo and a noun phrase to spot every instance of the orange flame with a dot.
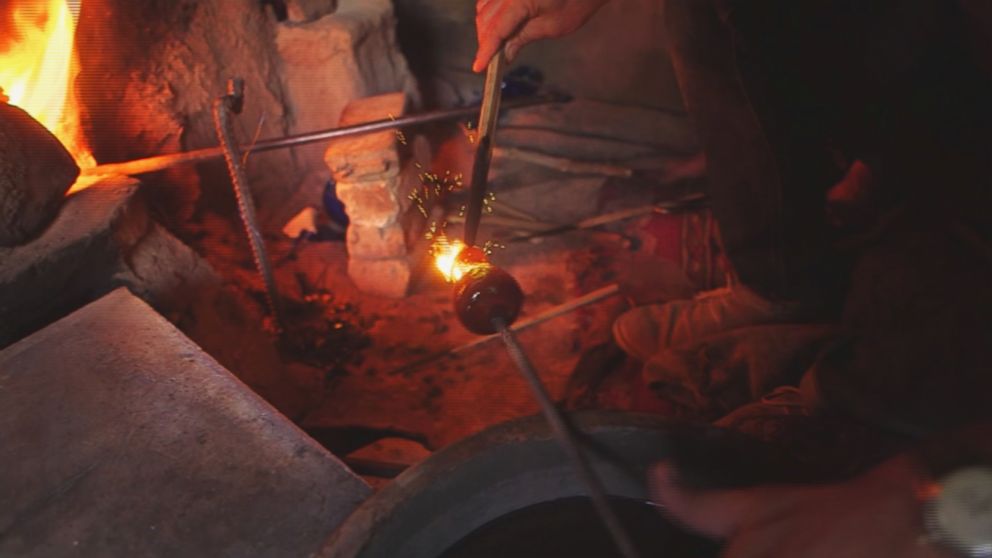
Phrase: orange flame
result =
(453, 259)
(38, 67)
(446, 258)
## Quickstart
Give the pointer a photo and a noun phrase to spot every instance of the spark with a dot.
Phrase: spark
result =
(400, 136)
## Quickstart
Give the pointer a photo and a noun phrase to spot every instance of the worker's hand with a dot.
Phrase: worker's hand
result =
(875, 515)
(520, 22)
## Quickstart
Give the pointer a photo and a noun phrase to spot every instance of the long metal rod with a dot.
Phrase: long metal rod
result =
(222, 109)
(685, 203)
(563, 164)
(560, 310)
(568, 443)
(491, 94)
(161, 162)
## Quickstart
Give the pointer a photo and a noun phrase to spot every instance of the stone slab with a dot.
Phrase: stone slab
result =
(76, 255)
(102, 239)
(122, 438)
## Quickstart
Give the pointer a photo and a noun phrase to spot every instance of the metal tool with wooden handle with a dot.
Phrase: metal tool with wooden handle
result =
(484, 146)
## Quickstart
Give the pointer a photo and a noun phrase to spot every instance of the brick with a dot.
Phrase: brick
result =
(377, 243)
(373, 108)
(371, 203)
(311, 191)
(324, 65)
(380, 202)
(374, 155)
(388, 278)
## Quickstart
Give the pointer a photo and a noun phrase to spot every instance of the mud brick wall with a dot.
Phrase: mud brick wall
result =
(168, 61)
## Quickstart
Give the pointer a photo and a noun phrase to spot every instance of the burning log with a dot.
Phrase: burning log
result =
(35, 173)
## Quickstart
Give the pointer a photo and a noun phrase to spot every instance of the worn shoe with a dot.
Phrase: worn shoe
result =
(643, 331)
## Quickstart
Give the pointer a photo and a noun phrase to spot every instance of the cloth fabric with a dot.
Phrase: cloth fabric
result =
(785, 96)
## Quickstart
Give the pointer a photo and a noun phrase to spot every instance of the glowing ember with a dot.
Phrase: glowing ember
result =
(38, 67)
(446, 258)
(453, 259)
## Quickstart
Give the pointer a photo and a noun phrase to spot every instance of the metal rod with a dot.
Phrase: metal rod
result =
(509, 222)
(560, 310)
(691, 201)
(537, 229)
(222, 109)
(484, 148)
(504, 207)
(550, 314)
(568, 443)
(161, 162)
(563, 164)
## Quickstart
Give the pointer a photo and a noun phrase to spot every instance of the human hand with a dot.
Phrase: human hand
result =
(875, 515)
(520, 22)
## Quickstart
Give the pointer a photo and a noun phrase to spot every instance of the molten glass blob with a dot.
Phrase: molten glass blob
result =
(484, 294)
(487, 295)
(453, 259)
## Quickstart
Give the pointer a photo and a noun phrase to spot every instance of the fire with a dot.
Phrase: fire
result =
(453, 259)
(38, 67)
(446, 258)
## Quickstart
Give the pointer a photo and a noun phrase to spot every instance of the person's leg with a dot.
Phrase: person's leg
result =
(917, 315)
(761, 128)
(767, 168)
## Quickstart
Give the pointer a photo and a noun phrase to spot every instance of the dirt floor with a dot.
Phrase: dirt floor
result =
(375, 371)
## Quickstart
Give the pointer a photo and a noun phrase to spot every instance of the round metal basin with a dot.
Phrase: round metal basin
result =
(510, 491)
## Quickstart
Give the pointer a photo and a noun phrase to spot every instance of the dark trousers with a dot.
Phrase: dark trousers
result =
(785, 94)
